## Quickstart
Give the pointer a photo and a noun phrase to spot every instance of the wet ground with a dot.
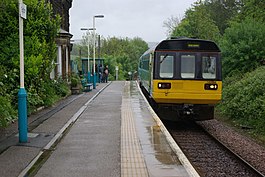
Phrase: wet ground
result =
(159, 157)
(114, 134)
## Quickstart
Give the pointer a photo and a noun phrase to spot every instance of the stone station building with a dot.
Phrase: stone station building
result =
(64, 47)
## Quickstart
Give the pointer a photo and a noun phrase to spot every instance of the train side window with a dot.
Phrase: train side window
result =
(187, 66)
(140, 63)
(209, 67)
(166, 66)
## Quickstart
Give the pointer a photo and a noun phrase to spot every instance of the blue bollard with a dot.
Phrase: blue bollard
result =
(94, 81)
(22, 116)
(88, 77)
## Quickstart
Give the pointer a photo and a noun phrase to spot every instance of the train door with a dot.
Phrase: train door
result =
(151, 69)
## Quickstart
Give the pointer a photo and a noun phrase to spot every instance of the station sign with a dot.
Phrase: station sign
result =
(23, 10)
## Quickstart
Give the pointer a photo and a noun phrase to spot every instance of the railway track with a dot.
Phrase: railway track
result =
(208, 156)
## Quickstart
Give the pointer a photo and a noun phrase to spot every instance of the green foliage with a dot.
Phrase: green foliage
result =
(40, 31)
(40, 48)
(74, 80)
(254, 9)
(61, 87)
(34, 100)
(197, 23)
(221, 12)
(7, 112)
(208, 19)
(46, 94)
(123, 53)
(3, 77)
(242, 39)
(244, 99)
(52, 90)
(243, 46)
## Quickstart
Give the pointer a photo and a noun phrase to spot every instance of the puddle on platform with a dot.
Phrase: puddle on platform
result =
(159, 157)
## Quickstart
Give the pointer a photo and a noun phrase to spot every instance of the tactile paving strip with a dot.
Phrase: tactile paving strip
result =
(132, 159)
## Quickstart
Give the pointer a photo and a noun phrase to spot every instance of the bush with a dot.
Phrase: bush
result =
(41, 28)
(49, 92)
(7, 113)
(242, 47)
(33, 100)
(244, 99)
(61, 87)
(75, 80)
(53, 90)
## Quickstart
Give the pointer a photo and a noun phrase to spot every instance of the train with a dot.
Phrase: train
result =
(184, 76)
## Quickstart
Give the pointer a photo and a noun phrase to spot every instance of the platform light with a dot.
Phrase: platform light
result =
(94, 49)
(88, 52)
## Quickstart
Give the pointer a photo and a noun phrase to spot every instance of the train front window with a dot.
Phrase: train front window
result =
(166, 66)
(209, 67)
(187, 66)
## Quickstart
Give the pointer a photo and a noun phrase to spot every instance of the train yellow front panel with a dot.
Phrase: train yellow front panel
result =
(187, 91)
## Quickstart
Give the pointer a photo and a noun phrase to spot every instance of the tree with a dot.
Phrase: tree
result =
(40, 29)
(243, 46)
(222, 11)
(208, 19)
(254, 9)
(197, 23)
(123, 52)
(242, 43)
(171, 23)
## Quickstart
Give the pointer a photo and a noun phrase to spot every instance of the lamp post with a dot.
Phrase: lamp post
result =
(88, 53)
(22, 94)
(94, 49)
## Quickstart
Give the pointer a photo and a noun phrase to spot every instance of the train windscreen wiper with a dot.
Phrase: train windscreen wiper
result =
(164, 58)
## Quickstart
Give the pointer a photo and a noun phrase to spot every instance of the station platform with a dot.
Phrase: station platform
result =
(108, 132)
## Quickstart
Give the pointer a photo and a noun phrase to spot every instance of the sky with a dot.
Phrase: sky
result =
(126, 18)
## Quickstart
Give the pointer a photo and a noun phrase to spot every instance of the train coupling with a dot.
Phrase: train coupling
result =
(188, 110)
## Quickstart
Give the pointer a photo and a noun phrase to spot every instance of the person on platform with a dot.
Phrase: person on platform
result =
(106, 73)
(100, 73)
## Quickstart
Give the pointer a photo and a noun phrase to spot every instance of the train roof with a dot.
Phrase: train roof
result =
(187, 44)
(184, 43)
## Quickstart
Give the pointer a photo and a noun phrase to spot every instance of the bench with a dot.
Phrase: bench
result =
(87, 87)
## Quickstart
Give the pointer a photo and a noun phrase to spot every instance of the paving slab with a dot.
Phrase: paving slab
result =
(92, 145)
(109, 132)
(16, 158)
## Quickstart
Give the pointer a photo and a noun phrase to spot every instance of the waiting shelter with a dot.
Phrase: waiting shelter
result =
(88, 75)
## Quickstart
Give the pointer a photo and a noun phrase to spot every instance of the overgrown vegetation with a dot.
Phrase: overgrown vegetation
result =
(238, 26)
(243, 48)
(244, 100)
(40, 30)
(121, 52)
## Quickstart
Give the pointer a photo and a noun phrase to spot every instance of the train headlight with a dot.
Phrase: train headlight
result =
(210, 86)
(164, 85)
